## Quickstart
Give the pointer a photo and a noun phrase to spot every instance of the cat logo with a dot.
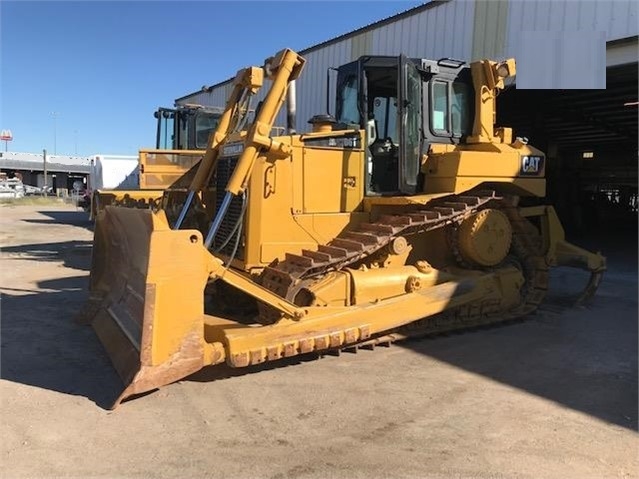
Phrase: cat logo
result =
(531, 165)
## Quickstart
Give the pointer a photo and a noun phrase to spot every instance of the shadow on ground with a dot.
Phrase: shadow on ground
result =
(42, 346)
(584, 359)
(75, 254)
(71, 218)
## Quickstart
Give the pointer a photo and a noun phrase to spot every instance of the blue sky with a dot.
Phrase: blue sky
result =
(104, 67)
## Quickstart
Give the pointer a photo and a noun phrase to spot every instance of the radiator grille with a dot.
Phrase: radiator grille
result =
(225, 168)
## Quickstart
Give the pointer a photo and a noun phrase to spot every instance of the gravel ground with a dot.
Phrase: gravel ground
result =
(552, 397)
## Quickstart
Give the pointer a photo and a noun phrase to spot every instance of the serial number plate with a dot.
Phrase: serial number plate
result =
(232, 149)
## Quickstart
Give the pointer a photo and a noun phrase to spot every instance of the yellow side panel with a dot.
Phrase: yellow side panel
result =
(159, 169)
(474, 163)
(269, 214)
(332, 180)
(460, 170)
(295, 204)
(273, 228)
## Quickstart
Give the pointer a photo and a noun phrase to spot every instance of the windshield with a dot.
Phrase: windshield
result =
(205, 124)
(347, 111)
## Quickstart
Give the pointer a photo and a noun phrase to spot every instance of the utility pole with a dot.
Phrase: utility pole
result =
(75, 141)
(44, 159)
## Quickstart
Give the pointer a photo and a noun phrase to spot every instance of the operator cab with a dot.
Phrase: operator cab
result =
(185, 127)
(386, 96)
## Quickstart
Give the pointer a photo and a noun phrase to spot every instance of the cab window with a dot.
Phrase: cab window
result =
(439, 110)
(205, 124)
(460, 109)
(347, 110)
(451, 109)
(385, 113)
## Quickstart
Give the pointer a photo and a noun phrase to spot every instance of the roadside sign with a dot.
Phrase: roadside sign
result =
(6, 136)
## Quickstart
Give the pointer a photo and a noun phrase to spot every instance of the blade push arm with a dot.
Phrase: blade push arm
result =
(247, 82)
(283, 68)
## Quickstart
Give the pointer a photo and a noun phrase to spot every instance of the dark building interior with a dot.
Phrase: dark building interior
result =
(590, 139)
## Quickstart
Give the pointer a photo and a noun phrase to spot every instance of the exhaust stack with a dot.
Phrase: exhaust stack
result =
(290, 108)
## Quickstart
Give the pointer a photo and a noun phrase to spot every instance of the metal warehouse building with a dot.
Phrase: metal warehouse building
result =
(62, 171)
(590, 136)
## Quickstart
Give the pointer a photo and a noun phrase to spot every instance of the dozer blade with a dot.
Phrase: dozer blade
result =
(146, 302)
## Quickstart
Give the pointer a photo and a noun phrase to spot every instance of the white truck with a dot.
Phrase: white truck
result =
(109, 173)
(113, 172)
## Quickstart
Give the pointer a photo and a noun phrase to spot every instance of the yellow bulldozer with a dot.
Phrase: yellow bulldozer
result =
(181, 139)
(406, 213)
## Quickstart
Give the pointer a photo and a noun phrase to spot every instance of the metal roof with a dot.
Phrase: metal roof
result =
(37, 158)
(25, 165)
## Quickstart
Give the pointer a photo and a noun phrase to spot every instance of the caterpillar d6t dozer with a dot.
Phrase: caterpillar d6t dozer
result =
(406, 213)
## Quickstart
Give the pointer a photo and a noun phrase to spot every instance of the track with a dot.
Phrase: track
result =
(526, 251)
(367, 239)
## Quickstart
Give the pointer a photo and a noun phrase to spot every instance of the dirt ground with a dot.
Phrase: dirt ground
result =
(552, 397)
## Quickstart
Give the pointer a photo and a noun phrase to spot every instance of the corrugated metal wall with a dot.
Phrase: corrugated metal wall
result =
(313, 81)
(461, 29)
(489, 29)
(617, 18)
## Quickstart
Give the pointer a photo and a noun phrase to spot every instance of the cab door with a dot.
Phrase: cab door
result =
(165, 135)
(410, 124)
